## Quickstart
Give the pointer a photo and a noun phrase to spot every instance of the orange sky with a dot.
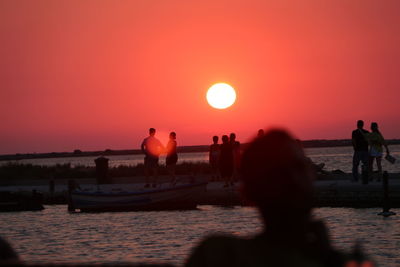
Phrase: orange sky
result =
(93, 75)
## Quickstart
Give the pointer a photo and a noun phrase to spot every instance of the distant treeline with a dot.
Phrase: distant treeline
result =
(181, 149)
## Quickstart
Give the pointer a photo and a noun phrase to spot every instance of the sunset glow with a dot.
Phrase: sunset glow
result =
(94, 75)
(221, 95)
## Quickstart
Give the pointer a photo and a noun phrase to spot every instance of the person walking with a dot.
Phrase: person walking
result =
(360, 146)
(376, 144)
(152, 148)
(172, 157)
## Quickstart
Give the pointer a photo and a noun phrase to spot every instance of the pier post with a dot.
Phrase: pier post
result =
(386, 200)
(51, 190)
(71, 187)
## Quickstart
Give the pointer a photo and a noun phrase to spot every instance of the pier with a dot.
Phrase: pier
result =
(335, 190)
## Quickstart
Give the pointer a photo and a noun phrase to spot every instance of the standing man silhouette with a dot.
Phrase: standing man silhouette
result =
(152, 148)
(172, 157)
(360, 146)
(213, 158)
(236, 156)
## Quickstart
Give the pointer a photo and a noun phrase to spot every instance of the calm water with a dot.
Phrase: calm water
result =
(54, 235)
(333, 157)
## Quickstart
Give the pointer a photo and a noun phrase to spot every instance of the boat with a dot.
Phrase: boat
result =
(20, 201)
(178, 197)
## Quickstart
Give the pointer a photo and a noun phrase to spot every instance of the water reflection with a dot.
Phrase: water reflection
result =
(53, 235)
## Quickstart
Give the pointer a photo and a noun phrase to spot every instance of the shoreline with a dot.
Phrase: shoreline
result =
(180, 149)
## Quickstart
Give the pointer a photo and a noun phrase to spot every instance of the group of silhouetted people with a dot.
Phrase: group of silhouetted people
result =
(280, 185)
(153, 148)
(225, 158)
(368, 147)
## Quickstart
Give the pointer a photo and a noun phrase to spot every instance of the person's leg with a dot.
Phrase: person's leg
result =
(364, 166)
(146, 172)
(155, 172)
(172, 173)
(379, 164)
(232, 175)
(224, 176)
(370, 164)
(214, 171)
(356, 161)
(217, 172)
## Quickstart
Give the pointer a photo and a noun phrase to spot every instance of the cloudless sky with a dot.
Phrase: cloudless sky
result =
(93, 75)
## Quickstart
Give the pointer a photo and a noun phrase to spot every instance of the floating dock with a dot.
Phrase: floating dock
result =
(333, 191)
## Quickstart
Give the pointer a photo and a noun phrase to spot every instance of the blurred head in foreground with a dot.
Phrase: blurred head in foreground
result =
(277, 178)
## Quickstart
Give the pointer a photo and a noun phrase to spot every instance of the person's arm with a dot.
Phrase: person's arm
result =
(366, 135)
(353, 139)
(143, 147)
(384, 144)
(162, 149)
(169, 147)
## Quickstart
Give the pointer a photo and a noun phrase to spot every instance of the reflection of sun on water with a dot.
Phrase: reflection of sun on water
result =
(221, 96)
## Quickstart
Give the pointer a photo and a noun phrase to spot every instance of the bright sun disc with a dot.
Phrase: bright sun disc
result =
(221, 95)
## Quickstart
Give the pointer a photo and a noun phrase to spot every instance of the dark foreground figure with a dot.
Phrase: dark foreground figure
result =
(277, 178)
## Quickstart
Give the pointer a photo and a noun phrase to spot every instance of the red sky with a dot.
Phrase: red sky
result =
(93, 75)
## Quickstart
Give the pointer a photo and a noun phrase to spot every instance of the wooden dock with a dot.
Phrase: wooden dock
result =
(333, 191)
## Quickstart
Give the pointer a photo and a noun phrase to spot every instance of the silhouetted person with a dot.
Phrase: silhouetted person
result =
(172, 156)
(236, 155)
(279, 184)
(152, 149)
(360, 146)
(226, 161)
(213, 158)
(376, 144)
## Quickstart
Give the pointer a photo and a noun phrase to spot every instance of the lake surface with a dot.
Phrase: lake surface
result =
(54, 235)
(333, 157)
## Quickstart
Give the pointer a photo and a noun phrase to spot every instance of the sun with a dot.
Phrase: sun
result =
(221, 96)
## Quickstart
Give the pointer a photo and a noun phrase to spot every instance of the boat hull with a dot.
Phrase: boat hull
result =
(179, 197)
(20, 201)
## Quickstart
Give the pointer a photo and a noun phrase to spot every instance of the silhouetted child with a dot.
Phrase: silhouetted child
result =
(279, 184)
(226, 161)
(213, 158)
(172, 157)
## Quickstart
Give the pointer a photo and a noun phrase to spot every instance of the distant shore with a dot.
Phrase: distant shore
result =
(181, 149)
